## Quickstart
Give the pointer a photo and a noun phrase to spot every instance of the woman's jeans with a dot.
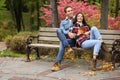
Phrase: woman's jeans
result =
(93, 42)
(64, 42)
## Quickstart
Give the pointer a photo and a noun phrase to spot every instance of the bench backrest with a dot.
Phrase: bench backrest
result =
(49, 35)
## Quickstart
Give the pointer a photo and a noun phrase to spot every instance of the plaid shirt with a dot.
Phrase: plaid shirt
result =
(82, 37)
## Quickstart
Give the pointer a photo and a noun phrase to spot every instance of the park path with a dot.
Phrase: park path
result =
(18, 69)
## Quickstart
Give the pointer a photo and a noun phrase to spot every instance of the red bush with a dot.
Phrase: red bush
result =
(88, 10)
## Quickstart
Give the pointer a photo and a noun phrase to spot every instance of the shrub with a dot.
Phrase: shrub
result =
(17, 43)
(114, 23)
(6, 29)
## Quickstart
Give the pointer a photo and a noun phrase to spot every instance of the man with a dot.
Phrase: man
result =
(65, 36)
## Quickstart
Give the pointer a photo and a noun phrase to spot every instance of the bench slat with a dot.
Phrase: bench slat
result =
(47, 34)
(44, 45)
(109, 32)
(49, 39)
(55, 35)
(111, 37)
(101, 30)
(48, 29)
(55, 39)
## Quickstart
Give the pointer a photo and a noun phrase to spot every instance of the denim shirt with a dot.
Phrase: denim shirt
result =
(65, 25)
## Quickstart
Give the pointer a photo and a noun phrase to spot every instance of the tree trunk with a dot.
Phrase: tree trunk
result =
(38, 14)
(32, 16)
(10, 5)
(54, 13)
(117, 8)
(18, 13)
(104, 14)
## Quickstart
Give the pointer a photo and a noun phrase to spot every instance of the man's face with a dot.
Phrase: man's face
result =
(69, 12)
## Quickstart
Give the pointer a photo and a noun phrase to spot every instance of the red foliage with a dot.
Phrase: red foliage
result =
(114, 23)
(88, 10)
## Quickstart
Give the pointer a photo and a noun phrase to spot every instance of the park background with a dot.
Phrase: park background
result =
(21, 18)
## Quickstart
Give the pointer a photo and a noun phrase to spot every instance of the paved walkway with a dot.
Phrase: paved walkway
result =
(18, 69)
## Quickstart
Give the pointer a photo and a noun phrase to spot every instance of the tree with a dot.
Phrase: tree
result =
(54, 13)
(38, 14)
(15, 8)
(104, 14)
(117, 8)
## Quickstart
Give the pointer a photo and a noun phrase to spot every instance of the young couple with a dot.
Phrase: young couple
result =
(74, 31)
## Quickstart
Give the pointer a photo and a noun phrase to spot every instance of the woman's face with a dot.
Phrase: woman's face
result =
(79, 18)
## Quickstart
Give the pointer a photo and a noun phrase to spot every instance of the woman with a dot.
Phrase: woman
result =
(87, 37)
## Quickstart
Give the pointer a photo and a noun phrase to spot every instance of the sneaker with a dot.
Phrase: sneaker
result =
(56, 67)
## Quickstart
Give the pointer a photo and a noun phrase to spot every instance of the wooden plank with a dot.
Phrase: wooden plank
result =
(49, 38)
(101, 30)
(110, 42)
(48, 29)
(55, 35)
(44, 45)
(112, 37)
(47, 34)
(110, 32)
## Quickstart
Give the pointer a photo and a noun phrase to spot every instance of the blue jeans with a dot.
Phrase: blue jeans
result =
(93, 42)
(64, 42)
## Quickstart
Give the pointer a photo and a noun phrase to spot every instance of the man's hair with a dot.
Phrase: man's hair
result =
(66, 8)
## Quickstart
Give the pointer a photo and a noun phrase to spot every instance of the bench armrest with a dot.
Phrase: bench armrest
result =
(31, 38)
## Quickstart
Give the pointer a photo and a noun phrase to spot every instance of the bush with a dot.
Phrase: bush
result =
(17, 43)
(7, 29)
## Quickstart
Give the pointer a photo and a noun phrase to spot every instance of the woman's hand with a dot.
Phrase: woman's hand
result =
(71, 35)
(87, 33)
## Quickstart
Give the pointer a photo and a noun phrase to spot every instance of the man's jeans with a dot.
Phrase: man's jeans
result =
(93, 42)
(64, 42)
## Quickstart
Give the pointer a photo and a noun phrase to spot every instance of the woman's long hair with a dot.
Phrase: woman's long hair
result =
(84, 22)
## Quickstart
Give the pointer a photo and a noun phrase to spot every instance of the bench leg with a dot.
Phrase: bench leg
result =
(113, 59)
(28, 54)
(37, 52)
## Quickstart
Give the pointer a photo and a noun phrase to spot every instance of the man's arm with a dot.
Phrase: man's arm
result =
(65, 31)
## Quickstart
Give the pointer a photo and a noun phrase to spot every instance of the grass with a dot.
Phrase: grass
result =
(8, 53)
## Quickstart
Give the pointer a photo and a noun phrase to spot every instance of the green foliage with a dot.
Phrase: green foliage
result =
(8, 53)
(2, 4)
(6, 29)
(17, 43)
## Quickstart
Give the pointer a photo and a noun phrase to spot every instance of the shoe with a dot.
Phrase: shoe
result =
(104, 47)
(94, 63)
(56, 67)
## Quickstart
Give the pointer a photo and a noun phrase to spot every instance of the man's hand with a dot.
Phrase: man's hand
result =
(87, 34)
(71, 35)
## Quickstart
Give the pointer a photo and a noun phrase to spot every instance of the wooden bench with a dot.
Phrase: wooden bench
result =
(47, 37)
